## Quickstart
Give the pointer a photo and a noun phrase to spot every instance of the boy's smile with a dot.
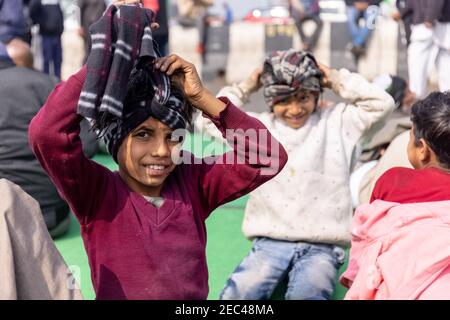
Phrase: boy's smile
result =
(295, 111)
(145, 157)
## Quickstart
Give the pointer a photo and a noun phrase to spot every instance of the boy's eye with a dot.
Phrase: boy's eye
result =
(143, 134)
(304, 98)
(284, 102)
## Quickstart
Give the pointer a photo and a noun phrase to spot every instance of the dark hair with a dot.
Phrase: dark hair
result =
(397, 90)
(140, 88)
(431, 122)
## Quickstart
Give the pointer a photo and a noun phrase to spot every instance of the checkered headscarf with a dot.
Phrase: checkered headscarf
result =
(122, 45)
(287, 72)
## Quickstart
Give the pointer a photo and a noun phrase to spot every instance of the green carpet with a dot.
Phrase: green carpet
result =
(226, 244)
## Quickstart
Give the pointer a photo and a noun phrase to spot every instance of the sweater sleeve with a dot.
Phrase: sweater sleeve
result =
(369, 105)
(239, 96)
(256, 158)
(54, 135)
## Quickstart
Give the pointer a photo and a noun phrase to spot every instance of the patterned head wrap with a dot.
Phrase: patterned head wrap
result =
(285, 73)
(123, 48)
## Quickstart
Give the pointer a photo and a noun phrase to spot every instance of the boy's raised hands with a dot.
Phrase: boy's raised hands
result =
(186, 75)
(253, 82)
(326, 82)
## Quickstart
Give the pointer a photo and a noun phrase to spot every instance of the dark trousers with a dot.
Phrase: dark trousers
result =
(52, 54)
(311, 41)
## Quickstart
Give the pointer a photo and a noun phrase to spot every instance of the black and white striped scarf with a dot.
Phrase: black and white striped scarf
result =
(287, 72)
(122, 41)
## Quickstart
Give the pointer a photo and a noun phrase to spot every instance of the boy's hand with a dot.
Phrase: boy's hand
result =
(254, 81)
(184, 73)
(326, 82)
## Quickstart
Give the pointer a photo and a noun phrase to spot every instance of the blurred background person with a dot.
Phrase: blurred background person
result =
(387, 147)
(22, 93)
(49, 16)
(228, 17)
(303, 11)
(90, 12)
(13, 23)
(195, 13)
(161, 35)
(368, 11)
(430, 43)
(402, 14)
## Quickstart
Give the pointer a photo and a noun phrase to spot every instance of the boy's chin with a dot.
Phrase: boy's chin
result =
(153, 182)
(294, 125)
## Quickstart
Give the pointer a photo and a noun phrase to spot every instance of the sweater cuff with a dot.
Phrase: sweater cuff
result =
(80, 76)
(229, 118)
(337, 77)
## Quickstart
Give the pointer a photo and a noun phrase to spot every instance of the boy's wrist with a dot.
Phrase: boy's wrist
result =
(199, 99)
(206, 102)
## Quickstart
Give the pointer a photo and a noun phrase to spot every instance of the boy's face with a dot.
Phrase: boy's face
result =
(295, 110)
(144, 157)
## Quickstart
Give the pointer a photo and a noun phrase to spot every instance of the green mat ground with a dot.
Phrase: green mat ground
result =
(225, 248)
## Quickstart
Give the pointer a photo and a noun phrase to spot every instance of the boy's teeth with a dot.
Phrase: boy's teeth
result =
(155, 167)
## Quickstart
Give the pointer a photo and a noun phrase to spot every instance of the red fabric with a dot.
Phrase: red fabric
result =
(404, 185)
(135, 250)
(151, 4)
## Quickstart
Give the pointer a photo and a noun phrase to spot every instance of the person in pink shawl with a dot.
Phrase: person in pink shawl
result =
(401, 240)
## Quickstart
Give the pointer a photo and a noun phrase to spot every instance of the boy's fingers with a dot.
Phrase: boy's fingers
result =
(167, 62)
(174, 67)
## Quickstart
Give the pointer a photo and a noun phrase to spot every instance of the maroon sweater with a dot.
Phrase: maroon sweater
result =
(135, 250)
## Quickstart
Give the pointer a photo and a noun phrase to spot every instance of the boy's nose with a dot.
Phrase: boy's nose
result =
(162, 149)
(295, 108)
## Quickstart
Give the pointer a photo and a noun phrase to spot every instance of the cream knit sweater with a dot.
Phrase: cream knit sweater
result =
(310, 199)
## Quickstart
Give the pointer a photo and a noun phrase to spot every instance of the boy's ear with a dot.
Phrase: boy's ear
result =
(426, 154)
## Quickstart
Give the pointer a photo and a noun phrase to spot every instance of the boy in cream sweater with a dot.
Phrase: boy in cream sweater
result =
(299, 221)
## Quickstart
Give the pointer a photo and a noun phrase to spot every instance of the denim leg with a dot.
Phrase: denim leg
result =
(353, 16)
(57, 56)
(370, 17)
(46, 53)
(317, 31)
(260, 272)
(314, 272)
(311, 40)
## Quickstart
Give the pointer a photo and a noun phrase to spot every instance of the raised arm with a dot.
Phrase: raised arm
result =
(54, 136)
(239, 94)
(368, 105)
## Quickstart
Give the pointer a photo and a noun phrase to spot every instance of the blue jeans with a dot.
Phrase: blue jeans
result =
(52, 53)
(311, 270)
(360, 34)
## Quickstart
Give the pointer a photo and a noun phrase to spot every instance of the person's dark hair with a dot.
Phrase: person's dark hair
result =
(397, 90)
(140, 88)
(431, 122)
